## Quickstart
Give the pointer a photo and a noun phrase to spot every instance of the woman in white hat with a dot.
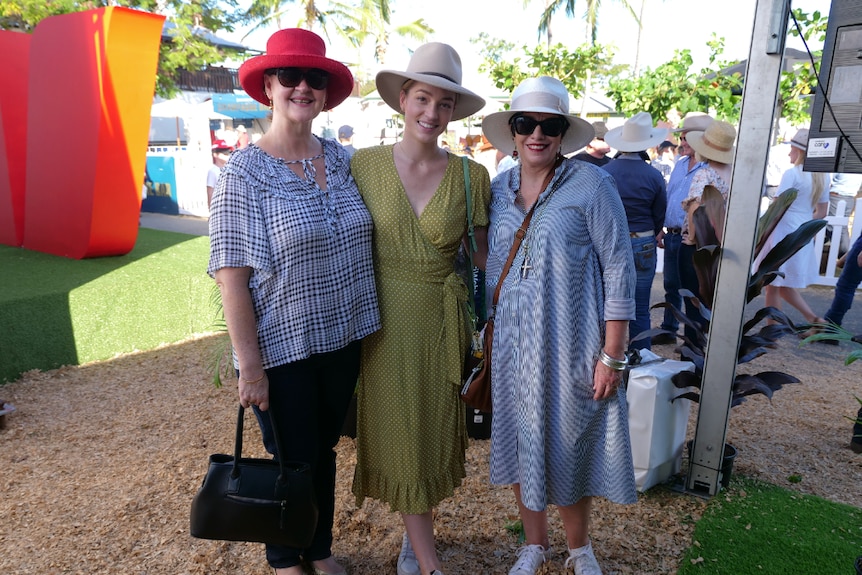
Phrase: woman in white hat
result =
(559, 434)
(642, 190)
(811, 203)
(290, 249)
(715, 147)
(411, 424)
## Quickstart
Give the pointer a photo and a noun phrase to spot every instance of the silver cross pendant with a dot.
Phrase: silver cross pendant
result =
(525, 267)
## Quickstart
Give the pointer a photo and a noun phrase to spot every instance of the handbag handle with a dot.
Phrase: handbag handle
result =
(237, 453)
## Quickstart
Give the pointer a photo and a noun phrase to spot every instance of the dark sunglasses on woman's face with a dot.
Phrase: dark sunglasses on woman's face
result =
(316, 78)
(552, 127)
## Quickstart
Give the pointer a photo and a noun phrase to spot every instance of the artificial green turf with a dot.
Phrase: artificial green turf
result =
(755, 527)
(57, 311)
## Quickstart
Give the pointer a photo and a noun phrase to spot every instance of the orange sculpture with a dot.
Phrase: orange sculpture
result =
(91, 81)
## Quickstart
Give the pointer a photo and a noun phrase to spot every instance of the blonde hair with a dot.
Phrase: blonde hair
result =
(819, 180)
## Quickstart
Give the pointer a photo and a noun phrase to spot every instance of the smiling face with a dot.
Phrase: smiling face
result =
(427, 111)
(299, 104)
(537, 148)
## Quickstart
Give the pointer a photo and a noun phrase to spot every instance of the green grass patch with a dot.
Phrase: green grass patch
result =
(57, 311)
(755, 527)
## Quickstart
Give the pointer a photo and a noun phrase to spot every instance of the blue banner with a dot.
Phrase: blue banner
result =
(237, 106)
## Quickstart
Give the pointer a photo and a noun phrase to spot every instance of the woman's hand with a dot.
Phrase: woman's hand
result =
(254, 391)
(606, 381)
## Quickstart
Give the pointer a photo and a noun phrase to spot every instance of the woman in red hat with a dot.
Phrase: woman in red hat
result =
(291, 253)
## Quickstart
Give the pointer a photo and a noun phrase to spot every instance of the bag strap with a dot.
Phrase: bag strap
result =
(519, 237)
(237, 453)
(470, 231)
(471, 237)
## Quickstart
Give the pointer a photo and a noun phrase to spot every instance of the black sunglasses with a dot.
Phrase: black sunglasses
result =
(552, 127)
(316, 78)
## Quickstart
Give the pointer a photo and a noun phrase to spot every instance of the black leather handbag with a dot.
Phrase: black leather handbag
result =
(262, 500)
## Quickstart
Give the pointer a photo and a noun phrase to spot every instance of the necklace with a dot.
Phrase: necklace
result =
(528, 234)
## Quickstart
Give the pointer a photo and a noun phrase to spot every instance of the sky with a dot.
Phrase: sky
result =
(668, 25)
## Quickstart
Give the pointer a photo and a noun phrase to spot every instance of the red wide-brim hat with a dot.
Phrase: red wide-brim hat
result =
(296, 48)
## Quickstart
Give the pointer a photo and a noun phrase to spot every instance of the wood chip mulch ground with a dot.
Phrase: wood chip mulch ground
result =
(99, 464)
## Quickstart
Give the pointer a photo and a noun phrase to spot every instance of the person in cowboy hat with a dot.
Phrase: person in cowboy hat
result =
(290, 249)
(642, 190)
(811, 203)
(559, 434)
(670, 237)
(715, 148)
(410, 431)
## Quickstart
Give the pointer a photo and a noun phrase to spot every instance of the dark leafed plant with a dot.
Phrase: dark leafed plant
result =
(708, 221)
(754, 343)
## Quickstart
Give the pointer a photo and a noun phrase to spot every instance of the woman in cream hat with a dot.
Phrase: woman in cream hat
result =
(559, 434)
(811, 203)
(290, 249)
(411, 434)
(715, 148)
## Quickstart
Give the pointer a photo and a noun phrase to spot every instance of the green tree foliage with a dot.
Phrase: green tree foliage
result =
(798, 85)
(675, 86)
(508, 66)
(358, 22)
(185, 50)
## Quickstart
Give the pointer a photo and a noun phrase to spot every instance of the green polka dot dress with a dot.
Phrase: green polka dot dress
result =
(411, 434)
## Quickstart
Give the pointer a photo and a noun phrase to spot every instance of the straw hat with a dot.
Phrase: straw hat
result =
(800, 140)
(695, 121)
(296, 48)
(542, 95)
(715, 143)
(636, 135)
(435, 64)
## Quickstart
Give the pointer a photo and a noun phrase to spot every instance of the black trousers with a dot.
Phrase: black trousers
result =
(311, 398)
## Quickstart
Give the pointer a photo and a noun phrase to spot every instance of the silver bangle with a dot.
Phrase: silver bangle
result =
(613, 363)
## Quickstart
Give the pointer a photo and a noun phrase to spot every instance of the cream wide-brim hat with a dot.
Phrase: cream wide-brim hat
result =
(435, 64)
(636, 134)
(715, 143)
(541, 95)
(695, 122)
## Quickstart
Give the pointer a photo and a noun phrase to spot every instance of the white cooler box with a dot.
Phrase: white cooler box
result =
(657, 427)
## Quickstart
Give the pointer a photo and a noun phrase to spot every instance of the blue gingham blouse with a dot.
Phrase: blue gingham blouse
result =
(312, 281)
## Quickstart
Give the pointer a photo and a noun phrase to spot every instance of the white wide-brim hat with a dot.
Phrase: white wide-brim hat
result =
(715, 143)
(636, 135)
(435, 64)
(541, 95)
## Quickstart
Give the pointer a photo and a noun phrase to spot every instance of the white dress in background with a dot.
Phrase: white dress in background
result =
(800, 270)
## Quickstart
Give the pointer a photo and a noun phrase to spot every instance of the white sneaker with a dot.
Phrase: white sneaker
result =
(407, 563)
(583, 561)
(530, 557)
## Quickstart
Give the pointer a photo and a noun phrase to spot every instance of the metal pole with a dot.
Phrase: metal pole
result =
(759, 98)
